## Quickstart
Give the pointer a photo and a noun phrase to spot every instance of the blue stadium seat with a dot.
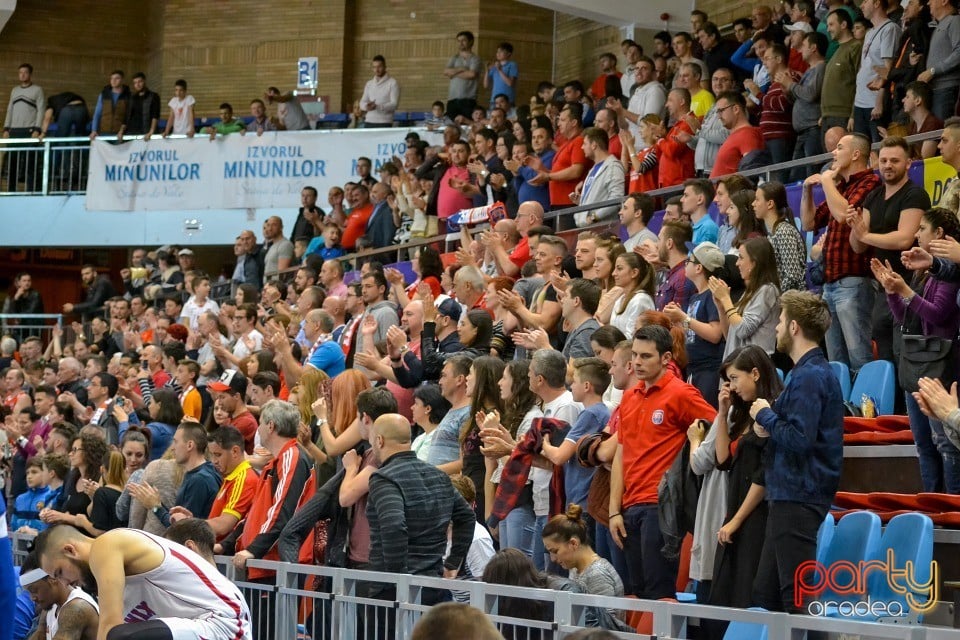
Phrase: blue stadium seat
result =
(875, 379)
(418, 116)
(333, 121)
(855, 538)
(842, 371)
(910, 537)
(746, 630)
(825, 537)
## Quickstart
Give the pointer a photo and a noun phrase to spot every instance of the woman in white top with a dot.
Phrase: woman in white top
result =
(753, 320)
(428, 409)
(637, 279)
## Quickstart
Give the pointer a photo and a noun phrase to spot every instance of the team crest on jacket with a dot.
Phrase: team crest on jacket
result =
(657, 417)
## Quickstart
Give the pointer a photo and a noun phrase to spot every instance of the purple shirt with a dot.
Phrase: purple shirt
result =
(936, 308)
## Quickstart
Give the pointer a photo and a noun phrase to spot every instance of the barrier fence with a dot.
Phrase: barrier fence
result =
(327, 603)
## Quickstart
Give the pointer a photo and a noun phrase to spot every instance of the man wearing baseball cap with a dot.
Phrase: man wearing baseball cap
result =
(69, 611)
(701, 320)
(230, 391)
(438, 341)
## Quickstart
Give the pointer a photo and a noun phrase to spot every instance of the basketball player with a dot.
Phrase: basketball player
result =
(71, 612)
(149, 588)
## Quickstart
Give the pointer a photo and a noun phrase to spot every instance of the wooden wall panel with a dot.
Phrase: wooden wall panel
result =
(230, 51)
(73, 44)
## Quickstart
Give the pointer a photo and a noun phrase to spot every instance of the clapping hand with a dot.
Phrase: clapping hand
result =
(947, 248)
(916, 259)
(934, 400)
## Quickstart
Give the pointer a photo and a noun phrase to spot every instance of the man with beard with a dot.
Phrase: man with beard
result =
(888, 224)
(804, 453)
(99, 290)
(70, 611)
(149, 588)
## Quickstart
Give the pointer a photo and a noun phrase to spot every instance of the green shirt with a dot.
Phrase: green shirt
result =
(222, 128)
(839, 81)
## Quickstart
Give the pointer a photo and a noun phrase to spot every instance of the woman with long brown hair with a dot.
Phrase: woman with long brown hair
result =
(789, 248)
(753, 320)
(749, 375)
(482, 387)
(637, 279)
(500, 435)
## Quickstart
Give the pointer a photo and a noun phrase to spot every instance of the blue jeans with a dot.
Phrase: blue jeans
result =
(931, 464)
(521, 530)
(850, 301)
(943, 102)
(651, 575)
(809, 143)
(863, 123)
(939, 458)
(607, 549)
(781, 150)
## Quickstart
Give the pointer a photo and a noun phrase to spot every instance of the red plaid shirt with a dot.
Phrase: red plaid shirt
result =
(839, 258)
(517, 469)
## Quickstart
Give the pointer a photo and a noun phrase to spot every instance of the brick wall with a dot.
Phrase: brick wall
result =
(232, 50)
(723, 12)
(73, 45)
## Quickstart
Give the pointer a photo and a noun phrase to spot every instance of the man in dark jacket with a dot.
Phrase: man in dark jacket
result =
(804, 455)
(99, 290)
(143, 112)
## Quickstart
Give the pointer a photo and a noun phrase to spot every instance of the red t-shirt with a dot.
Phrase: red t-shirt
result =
(599, 87)
(356, 226)
(521, 253)
(675, 158)
(654, 422)
(570, 154)
(247, 425)
(731, 152)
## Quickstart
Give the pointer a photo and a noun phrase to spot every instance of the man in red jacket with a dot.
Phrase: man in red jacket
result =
(286, 484)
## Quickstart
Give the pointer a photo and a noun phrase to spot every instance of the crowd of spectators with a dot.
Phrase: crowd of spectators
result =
(532, 393)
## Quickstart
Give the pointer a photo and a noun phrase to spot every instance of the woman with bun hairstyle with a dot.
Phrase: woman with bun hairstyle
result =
(565, 539)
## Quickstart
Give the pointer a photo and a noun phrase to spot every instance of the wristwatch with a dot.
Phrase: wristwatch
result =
(156, 510)
(403, 350)
(484, 173)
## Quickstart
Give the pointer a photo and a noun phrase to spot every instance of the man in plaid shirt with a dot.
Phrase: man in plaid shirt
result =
(847, 290)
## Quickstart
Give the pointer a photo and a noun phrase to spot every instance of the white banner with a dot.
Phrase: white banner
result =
(233, 171)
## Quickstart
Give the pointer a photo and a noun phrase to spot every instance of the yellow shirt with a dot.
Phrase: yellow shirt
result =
(192, 404)
(701, 102)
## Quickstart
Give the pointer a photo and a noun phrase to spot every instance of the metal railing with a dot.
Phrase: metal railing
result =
(553, 219)
(321, 603)
(21, 326)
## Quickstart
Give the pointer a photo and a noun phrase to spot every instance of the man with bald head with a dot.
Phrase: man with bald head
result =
(331, 277)
(509, 263)
(507, 232)
(277, 251)
(410, 507)
(848, 289)
(337, 308)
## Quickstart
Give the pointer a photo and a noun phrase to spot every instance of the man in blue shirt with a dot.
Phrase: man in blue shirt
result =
(502, 75)
(696, 198)
(804, 452)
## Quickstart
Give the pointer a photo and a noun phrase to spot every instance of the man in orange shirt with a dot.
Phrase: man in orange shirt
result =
(232, 502)
(655, 416)
(360, 212)
(569, 164)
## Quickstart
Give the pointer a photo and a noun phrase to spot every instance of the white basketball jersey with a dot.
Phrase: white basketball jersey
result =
(53, 615)
(187, 587)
